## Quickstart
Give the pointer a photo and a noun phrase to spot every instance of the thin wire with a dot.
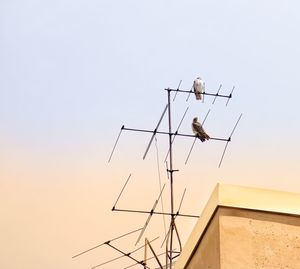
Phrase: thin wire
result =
(177, 131)
(177, 90)
(230, 95)
(236, 124)
(217, 94)
(154, 132)
(159, 178)
(150, 215)
(154, 254)
(121, 192)
(167, 169)
(196, 137)
(119, 257)
(126, 254)
(181, 201)
(223, 155)
(115, 144)
(167, 235)
(145, 260)
(205, 117)
(191, 90)
(229, 139)
(187, 158)
(204, 92)
(107, 242)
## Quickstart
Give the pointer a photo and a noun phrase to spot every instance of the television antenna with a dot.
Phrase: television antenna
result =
(172, 234)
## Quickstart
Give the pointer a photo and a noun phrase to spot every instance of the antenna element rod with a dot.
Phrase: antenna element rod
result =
(154, 132)
(121, 192)
(116, 143)
(107, 242)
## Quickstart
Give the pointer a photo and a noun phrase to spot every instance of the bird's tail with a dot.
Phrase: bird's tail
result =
(198, 96)
(200, 137)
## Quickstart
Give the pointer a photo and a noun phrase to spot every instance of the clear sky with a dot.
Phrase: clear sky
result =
(73, 72)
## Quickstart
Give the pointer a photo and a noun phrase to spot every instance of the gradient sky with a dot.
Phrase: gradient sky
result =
(73, 72)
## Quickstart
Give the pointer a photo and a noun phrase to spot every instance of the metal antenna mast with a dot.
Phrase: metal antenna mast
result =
(169, 250)
(172, 234)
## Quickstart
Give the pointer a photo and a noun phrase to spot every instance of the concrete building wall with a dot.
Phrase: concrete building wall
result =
(248, 239)
(207, 254)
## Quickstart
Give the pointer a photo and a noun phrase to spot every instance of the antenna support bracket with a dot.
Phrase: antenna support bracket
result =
(173, 170)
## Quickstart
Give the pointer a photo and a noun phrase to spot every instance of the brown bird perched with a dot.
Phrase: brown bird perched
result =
(199, 131)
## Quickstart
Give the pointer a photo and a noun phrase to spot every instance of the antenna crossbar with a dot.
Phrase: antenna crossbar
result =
(172, 233)
(116, 238)
(171, 133)
(125, 255)
(155, 213)
(204, 93)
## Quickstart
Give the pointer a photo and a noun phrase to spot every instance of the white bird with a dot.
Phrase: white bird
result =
(199, 131)
(198, 88)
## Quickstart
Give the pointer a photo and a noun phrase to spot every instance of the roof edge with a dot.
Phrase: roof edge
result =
(239, 197)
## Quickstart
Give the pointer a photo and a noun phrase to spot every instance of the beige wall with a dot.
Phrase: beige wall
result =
(207, 253)
(248, 239)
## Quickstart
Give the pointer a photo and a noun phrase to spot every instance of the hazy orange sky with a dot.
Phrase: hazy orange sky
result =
(73, 72)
